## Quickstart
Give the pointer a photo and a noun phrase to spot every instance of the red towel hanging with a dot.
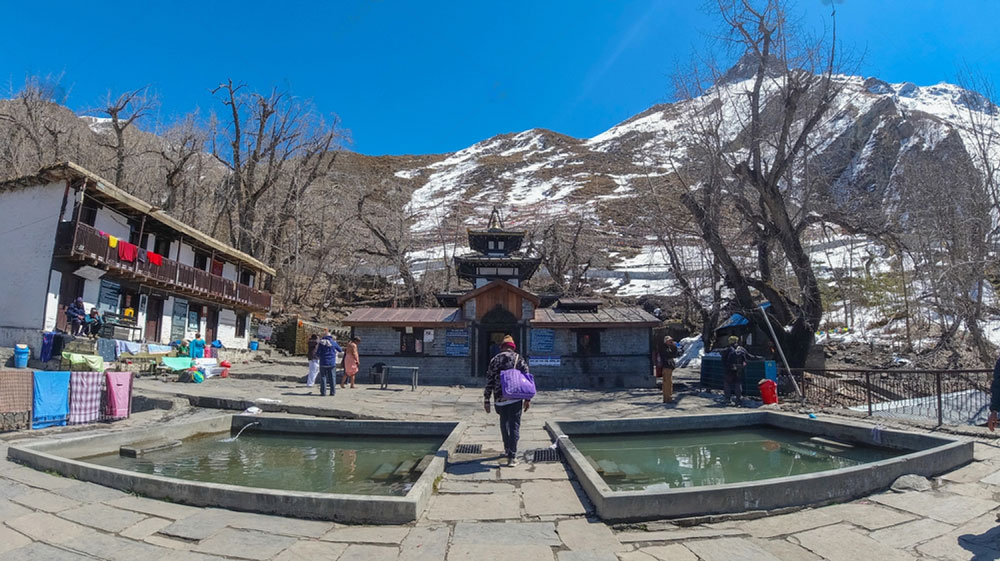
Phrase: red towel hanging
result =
(126, 251)
(155, 258)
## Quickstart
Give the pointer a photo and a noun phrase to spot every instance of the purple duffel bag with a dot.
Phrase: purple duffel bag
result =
(515, 384)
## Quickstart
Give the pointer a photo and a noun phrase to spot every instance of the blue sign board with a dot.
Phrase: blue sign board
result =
(456, 342)
(543, 340)
(544, 361)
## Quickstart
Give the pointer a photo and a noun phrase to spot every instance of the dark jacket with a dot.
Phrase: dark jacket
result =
(311, 349)
(667, 355)
(734, 360)
(504, 360)
(74, 312)
(327, 350)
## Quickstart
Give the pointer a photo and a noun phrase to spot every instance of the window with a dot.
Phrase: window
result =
(500, 244)
(88, 214)
(487, 271)
(411, 343)
(162, 246)
(241, 325)
(491, 245)
(246, 277)
(200, 261)
(588, 342)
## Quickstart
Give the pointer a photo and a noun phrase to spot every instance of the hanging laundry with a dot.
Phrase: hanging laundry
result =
(142, 255)
(84, 397)
(15, 399)
(119, 386)
(51, 399)
(155, 258)
(112, 241)
(127, 252)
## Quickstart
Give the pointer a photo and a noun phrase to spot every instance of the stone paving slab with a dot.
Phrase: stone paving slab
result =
(10, 488)
(90, 493)
(970, 473)
(113, 548)
(982, 451)
(471, 552)
(369, 553)
(471, 472)
(533, 472)
(506, 533)
(367, 534)
(786, 550)
(473, 487)
(154, 507)
(581, 534)
(953, 509)
(9, 509)
(727, 549)
(841, 543)
(311, 550)
(246, 544)
(871, 516)
(145, 528)
(977, 539)
(425, 543)
(46, 501)
(771, 526)
(993, 479)
(38, 479)
(678, 535)
(552, 497)
(280, 525)
(199, 525)
(909, 534)
(42, 552)
(103, 517)
(498, 506)
(9, 539)
(587, 555)
(672, 552)
(46, 527)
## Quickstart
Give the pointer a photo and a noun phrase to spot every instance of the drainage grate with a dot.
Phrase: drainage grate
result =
(544, 455)
(469, 449)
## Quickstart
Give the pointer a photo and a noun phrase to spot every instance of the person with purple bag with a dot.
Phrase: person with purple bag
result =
(512, 387)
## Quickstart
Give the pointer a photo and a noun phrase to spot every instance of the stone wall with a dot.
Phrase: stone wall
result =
(381, 345)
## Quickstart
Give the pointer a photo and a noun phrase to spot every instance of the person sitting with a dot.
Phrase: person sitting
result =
(94, 323)
(76, 315)
(183, 349)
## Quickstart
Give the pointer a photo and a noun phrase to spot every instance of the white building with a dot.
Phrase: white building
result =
(57, 229)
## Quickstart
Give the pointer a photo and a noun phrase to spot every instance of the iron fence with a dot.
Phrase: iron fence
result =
(953, 397)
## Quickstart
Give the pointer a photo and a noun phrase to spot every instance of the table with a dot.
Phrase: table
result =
(387, 370)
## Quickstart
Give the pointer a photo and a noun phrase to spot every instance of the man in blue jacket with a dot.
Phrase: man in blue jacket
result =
(327, 350)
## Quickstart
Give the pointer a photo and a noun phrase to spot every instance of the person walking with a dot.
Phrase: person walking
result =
(327, 350)
(352, 361)
(734, 362)
(313, 357)
(76, 316)
(508, 409)
(668, 352)
(197, 346)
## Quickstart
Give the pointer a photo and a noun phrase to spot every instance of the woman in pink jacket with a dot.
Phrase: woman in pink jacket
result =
(352, 362)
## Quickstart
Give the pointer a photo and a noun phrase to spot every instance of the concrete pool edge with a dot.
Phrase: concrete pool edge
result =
(929, 456)
(368, 509)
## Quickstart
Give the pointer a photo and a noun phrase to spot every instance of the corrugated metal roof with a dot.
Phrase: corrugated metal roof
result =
(400, 317)
(630, 316)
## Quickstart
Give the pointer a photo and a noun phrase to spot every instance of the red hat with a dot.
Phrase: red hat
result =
(508, 341)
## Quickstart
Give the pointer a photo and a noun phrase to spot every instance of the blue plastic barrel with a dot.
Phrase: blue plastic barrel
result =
(21, 353)
(254, 345)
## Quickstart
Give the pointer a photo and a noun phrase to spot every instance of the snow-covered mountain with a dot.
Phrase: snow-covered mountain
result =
(864, 144)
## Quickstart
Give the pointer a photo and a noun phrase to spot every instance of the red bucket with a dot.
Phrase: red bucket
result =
(768, 391)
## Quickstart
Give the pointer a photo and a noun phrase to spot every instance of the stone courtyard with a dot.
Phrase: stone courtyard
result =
(535, 511)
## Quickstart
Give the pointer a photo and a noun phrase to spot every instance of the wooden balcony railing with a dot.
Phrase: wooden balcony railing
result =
(81, 241)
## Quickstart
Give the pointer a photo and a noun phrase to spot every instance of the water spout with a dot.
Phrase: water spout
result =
(245, 427)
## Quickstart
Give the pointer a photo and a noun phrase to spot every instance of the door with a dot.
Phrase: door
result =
(178, 321)
(154, 319)
(496, 324)
(211, 324)
(70, 288)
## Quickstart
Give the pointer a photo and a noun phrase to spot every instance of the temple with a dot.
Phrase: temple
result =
(573, 343)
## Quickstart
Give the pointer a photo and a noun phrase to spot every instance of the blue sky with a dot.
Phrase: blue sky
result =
(416, 77)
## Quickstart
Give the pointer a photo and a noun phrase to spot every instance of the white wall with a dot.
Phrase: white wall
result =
(168, 319)
(151, 242)
(91, 292)
(52, 301)
(227, 330)
(187, 254)
(28, 220)
(229, 272)
(112, 223)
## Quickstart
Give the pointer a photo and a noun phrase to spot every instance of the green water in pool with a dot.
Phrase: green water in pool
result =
(366, 465)
(667, 460)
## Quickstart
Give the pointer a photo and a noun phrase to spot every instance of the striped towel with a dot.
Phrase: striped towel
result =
(119, 394)
(84, 397)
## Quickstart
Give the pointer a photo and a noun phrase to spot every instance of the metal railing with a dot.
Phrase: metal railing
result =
(83, 241)
(954, 397)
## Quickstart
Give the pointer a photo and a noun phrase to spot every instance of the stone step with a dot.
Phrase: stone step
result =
(404, 468)
(139, 448)
(383, 472)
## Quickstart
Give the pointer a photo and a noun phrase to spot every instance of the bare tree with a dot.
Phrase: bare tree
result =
(123, 112)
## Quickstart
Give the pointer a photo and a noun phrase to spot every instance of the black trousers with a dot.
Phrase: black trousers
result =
(510, 426)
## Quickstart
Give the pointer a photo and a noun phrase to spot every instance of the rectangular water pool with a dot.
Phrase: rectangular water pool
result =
(670, 460)
(369, 472)
(322, 463)
(694, 465)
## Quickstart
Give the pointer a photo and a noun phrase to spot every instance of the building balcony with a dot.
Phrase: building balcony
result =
(80, 242)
